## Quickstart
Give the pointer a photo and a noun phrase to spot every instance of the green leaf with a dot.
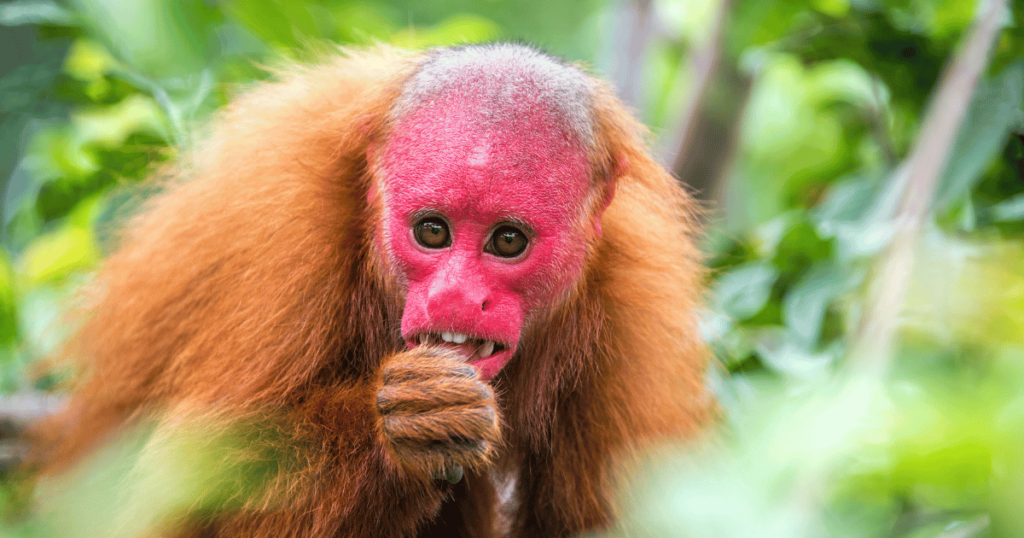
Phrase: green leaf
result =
(804, 306)
(282, 22)
(782, 354)
(160, 38)
(997, 107)
(20, 188)
(1008, 210)
(846, 201)
(40, 320)
(35, 12)
(761, 22)
(743, 291)
(800, 247)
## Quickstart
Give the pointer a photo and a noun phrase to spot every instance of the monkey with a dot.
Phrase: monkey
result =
(457, 280)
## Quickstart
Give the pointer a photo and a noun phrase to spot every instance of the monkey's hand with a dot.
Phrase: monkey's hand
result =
(438, 417)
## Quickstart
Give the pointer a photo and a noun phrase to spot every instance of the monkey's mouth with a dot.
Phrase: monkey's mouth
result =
(487, 356)
(473, 349)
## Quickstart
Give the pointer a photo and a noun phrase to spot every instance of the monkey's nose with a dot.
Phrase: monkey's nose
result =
(452, 297)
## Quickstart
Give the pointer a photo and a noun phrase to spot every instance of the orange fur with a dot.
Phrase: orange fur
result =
(250, 287)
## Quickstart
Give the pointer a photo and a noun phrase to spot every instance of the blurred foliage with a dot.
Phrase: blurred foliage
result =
(94, 94)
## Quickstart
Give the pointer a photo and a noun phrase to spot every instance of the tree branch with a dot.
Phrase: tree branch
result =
(639, 18)
(873, 343)
(705, 60)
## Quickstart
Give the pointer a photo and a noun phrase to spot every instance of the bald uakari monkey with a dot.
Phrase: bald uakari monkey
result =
(456, 279)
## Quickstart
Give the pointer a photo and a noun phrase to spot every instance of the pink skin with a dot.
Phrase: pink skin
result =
(529, 172)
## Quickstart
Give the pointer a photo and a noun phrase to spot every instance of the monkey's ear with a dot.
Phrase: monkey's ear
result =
(372, 156)
(620, 169)
(607, 195)
(607, 190)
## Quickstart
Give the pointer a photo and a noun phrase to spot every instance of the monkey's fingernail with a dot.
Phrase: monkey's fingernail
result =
(486, 350)
(454, 474)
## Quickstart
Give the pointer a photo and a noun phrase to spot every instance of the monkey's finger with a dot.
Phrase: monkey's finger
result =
(472, 423)
(444, 461)
(405, 372)
(427, 396)
(438, 458)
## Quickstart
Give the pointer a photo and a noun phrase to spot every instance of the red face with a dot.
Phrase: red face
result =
(484, 223)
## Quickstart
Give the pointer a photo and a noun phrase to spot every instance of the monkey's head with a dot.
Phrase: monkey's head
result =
(489, 198)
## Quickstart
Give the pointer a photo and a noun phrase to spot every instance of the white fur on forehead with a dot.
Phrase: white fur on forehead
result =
(507, 70)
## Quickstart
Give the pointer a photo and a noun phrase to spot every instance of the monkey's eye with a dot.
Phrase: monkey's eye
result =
(432, 232)
(507, 242)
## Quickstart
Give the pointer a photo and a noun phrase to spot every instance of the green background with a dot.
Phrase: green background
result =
(811, 111)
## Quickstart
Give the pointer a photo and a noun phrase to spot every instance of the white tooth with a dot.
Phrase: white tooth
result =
(459, 338)
(447, 337)
(487, 349)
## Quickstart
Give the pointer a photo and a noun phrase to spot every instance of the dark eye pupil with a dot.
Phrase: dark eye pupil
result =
(508, 242)
(432, 233)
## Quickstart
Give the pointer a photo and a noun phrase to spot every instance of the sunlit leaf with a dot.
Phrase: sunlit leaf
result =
(57, 153)
(110, 126)
(835, 8)
(362, 23)
(88, 60)
(790, 137)
(693, 19)
(54, 256)
(453, 31)
(153, 474)
(8, 300)
(949, 17)
(847, 82)
(970, 290)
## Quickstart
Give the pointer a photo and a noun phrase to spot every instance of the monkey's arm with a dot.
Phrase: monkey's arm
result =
(363, 458)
